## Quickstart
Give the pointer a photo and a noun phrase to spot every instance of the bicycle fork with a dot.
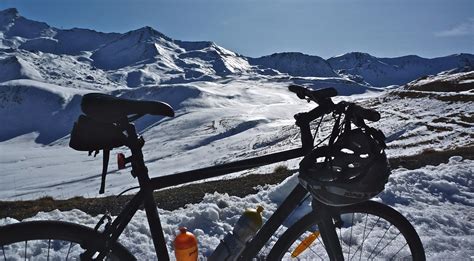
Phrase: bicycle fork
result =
(328, 218)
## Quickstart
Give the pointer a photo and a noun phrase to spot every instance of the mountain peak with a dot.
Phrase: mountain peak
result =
(358, 55)
(146, 33)
(8, 15)
(9, 12)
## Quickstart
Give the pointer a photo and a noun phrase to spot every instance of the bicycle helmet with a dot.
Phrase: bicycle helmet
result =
(351, 170)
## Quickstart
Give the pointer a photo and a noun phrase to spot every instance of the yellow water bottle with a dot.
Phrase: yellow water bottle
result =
(185, 246)
(234, 242)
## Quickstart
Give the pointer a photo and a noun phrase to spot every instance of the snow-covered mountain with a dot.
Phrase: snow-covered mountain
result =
(146, 57)
(35, 56)
(296, 64)
(396, 71)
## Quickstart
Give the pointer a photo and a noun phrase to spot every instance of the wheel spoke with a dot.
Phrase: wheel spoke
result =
(322, 243)
(350, 238)
(389, 242)
(368, 234)
(314, 251)
(406, 243)
(380, 240)
(340, 237)
(69, 250)
(49, 247)
(4, 256)
(363, 236)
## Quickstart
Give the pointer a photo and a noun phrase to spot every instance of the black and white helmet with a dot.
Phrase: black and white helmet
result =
(353, 169)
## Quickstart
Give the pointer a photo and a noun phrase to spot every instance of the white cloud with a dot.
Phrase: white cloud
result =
(466, 28)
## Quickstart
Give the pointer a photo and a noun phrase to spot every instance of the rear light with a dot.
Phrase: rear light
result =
(121, 161)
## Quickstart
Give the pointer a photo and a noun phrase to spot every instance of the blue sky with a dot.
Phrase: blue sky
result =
(384, 28)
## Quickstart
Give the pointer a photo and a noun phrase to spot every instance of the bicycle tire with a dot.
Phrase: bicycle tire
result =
(48, 239)
(390, 217)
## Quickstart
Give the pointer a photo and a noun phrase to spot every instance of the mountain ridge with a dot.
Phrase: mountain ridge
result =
(42, 67)
(167, 60)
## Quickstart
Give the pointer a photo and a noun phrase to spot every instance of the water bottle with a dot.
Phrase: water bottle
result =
(234, 242)
(185, 246)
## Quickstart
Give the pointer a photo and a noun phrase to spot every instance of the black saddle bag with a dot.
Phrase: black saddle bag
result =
(91, 135)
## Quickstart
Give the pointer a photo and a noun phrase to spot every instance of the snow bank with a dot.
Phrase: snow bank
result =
(437, 200)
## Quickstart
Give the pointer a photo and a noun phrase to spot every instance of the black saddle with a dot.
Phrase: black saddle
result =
(107, 108)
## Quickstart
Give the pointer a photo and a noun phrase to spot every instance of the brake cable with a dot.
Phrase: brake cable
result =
(127, 190)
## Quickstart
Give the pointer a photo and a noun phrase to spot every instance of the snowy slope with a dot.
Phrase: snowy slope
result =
(453, 81)
(32, 106)
(13, 67)
(227, 121)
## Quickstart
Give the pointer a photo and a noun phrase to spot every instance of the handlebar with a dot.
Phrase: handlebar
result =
(354, 113)
(367, 114)
(323, 98)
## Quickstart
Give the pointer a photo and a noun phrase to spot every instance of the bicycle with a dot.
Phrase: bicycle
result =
(364, 230)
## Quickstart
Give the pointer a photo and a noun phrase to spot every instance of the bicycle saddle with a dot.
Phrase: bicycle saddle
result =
(107, 108)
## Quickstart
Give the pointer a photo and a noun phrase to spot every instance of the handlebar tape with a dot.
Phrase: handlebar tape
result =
(315, 95)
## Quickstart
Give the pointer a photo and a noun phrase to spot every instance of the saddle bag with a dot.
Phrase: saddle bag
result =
(91, 135)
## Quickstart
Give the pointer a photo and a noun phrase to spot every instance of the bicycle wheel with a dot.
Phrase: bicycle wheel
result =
(53, 240)
(370, 230)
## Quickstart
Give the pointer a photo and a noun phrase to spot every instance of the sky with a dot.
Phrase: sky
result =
(384, 28)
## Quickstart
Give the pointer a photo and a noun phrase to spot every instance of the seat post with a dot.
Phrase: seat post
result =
(139, 170)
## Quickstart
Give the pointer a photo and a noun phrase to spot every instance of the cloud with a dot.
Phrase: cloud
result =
(463, 29)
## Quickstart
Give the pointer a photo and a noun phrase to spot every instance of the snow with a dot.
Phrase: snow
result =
(434, 200)
(228, 107)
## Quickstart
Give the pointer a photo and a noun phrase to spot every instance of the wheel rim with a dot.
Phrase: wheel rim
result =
(43, 249)
(363, 236)
(53, 240)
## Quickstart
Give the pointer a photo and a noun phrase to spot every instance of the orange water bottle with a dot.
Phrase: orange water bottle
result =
(185, 246)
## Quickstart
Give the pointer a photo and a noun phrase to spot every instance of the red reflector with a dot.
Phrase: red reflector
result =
(121, 161)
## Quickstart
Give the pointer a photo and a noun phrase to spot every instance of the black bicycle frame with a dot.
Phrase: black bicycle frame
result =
(147, 186)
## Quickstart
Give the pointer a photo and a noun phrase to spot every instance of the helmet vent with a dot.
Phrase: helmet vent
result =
(347, 151)
(320, 159)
